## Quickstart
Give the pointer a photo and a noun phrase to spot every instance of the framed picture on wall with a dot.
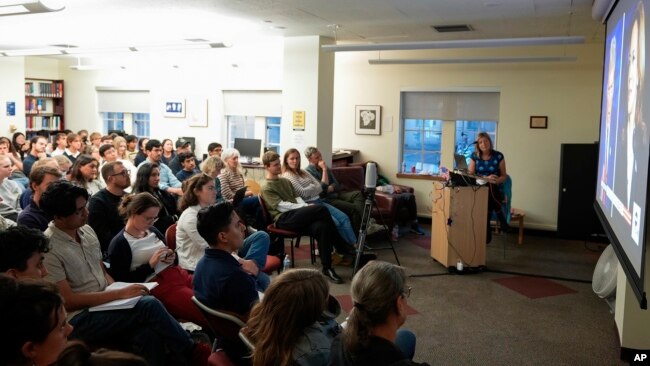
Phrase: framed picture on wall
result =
(367, 120)
(538, 121)
(174, 108)
(198, 112)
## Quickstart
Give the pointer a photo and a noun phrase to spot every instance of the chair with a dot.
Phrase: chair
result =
(219, 358)
(243, 335)
(286, 234)
(253, 186)
(226, 326)
(170, 236)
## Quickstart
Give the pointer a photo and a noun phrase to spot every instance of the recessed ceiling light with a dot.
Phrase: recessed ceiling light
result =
(279, 27)
(267, 21)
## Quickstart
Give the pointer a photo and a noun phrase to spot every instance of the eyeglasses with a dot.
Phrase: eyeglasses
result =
(124, 172)
(407, 292)
(150, 220)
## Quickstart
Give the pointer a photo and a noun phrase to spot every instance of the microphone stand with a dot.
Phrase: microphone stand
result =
(363, 229)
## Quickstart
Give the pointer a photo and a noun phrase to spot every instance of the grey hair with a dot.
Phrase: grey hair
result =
(375, 290)
(310, 150)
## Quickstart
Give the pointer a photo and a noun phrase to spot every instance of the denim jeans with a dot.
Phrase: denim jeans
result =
(256, 248)
(148, 327)
(343, 224)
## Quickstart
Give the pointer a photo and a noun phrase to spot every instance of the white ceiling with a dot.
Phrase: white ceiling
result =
(109, 23)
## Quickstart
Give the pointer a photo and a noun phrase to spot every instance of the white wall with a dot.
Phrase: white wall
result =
(12, 71)
(568, 93)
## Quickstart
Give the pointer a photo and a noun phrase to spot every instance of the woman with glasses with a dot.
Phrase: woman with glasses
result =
(139, 253)
(148, 180)
(372, 335)
(198, 192)
(85, 172)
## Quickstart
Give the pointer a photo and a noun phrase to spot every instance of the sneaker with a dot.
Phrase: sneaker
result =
(416, 229)
(374, 228)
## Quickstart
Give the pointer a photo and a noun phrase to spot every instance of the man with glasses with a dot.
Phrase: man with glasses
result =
(103, 206)
(168, 181)
(109, 154)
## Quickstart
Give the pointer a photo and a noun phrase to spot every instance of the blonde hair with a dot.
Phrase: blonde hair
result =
(116, 144)
(212, 164)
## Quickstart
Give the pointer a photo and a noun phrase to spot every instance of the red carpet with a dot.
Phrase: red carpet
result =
(534, 287)
(346, 305)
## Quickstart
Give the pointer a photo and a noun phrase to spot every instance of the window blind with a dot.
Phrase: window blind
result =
(262, 103)
(127, 101)
(451, 106)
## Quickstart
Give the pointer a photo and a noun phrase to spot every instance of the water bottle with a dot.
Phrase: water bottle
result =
(395, 233)
(286, 264)
(404, 167)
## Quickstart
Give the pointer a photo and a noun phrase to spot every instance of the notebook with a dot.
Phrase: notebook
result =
(122, 303)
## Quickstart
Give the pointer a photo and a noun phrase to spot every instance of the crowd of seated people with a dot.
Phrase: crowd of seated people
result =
(95, 210)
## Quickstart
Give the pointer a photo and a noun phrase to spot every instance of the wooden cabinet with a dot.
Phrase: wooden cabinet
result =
(44, 106)
(459, 225)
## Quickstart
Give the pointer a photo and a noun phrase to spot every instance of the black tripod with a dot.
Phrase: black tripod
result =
(363, 230)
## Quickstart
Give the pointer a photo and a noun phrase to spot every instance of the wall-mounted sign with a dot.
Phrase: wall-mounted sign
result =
(298, 120)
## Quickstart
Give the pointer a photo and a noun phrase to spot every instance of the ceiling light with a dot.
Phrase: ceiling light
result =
(466, 43)
(34, 52)
(17, 7)
(472, 60)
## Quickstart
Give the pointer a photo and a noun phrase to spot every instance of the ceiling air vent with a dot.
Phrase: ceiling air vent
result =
(452, 28)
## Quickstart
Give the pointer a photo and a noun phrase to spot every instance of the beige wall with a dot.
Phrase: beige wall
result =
(568, 93)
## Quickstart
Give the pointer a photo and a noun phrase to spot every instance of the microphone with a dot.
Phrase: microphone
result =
(371, 175)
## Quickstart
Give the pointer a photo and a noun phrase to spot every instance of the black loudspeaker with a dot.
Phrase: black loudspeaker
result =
(576, 216)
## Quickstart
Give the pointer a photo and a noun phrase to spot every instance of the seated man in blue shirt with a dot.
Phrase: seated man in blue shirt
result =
(188, 162)
(220, 282)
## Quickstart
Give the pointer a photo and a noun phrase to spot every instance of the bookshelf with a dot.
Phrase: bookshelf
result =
(44, 106)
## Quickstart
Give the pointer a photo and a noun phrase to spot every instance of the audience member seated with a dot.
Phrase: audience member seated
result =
(10, 191)
(290, 212)
(168, 181)
(188, 162)
(40, 178)
(182, 146)
(17, 175)
(21, 146)
(79, 354)
(26, 196)
(131, 147)
(191, 246)
(214, 149)
(349, 202)
(371, 335)
(141, 155)
(84, 173)
(109, 154)
(288, 331)
(74, 264)
(103, 206)
(34, 322)
(61, 141)
(36, 152)
(119, 143)
(138, 253)
(212, 166)
(64, 165)
(232, 180)
(94, 139)
(148, 180)
(309, 189)
(168, 152)
(74, 148)
(22, 252)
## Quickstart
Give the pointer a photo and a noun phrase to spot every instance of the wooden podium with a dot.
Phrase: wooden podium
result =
(459, 224)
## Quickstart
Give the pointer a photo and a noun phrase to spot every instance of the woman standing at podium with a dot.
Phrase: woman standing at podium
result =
(490, 164)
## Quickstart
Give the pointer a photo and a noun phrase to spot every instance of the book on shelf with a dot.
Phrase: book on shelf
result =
(122, 303)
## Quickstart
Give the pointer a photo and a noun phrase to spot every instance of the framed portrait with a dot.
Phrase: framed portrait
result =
(538, 122)
(367, 120)
(197, 116)
(174, 108)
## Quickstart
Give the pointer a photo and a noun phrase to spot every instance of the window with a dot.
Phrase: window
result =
(466, 132)
(252, 127)
(422, 145)
(140, 125)
(113, 121)
(273, 132)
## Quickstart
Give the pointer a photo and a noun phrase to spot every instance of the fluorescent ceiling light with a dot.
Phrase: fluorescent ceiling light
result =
(178, 47)
(17, 7)
(466, 43)
(473, 60)
(34, 52)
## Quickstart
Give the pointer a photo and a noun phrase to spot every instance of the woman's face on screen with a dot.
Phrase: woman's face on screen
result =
(633, 73)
